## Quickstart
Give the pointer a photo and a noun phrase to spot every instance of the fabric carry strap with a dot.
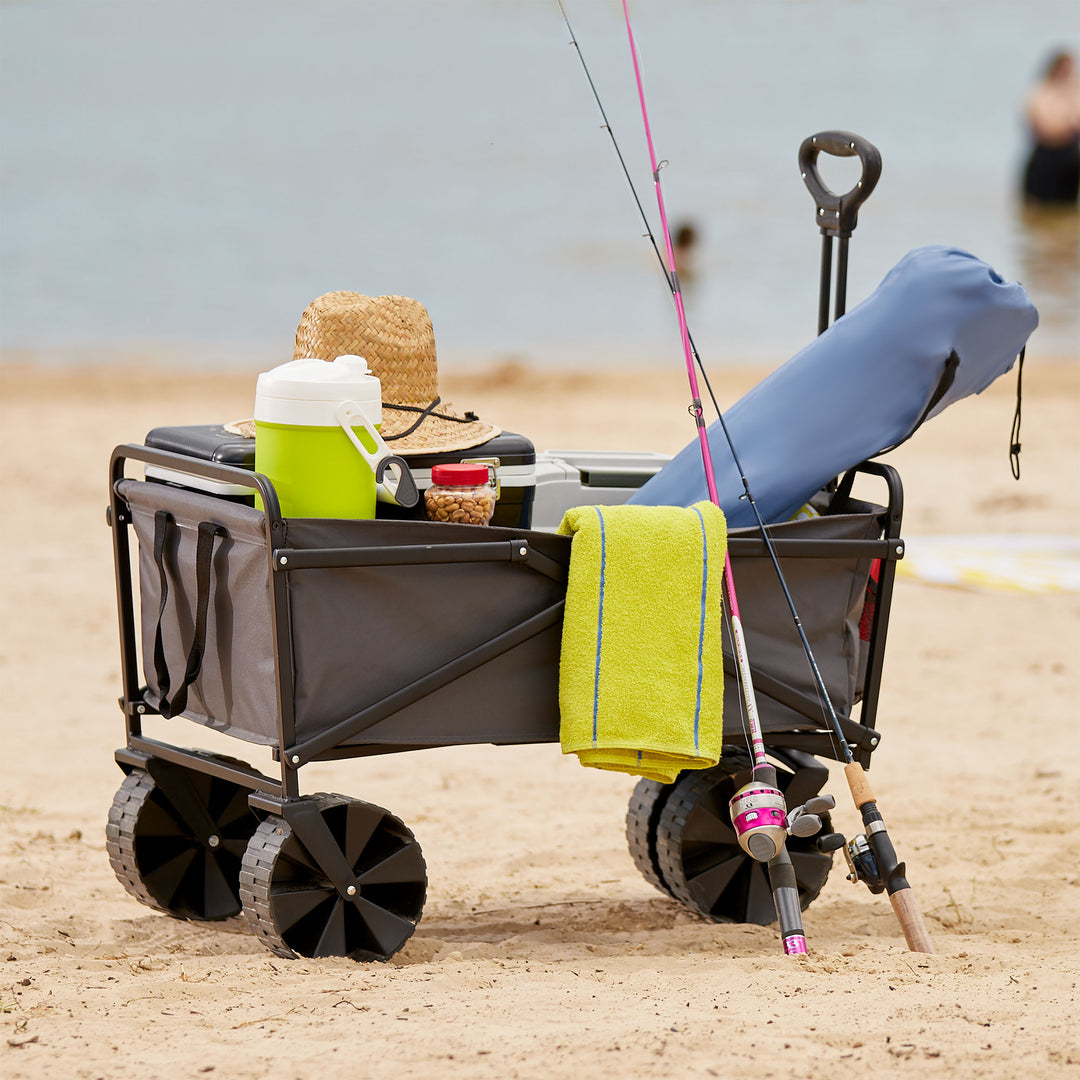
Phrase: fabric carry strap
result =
(948, 374)
(204, 558)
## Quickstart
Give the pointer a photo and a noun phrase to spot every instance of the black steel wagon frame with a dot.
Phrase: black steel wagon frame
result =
(293, 829)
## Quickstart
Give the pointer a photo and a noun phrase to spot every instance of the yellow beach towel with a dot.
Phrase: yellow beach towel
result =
(641, 676)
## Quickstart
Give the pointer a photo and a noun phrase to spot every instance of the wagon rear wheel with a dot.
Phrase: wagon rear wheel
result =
(176, 839)
(339, 878)
(699, 856)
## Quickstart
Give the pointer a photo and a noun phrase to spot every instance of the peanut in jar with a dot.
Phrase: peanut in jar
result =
(461, 494)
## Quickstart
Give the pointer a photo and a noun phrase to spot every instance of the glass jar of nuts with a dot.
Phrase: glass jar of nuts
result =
(463, 494)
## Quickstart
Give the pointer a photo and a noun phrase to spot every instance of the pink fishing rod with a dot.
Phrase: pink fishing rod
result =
(758, 809)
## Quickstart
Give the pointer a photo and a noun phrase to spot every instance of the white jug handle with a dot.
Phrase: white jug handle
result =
(401, 488)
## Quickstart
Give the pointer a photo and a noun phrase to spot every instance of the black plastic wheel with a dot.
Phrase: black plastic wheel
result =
(699, 856)
(642, 816)
(365, 904)
(176, 838)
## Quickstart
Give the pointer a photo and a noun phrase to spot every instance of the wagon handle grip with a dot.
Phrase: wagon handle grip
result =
(837, 215)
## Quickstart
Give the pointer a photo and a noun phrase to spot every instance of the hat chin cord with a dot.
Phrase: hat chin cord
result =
(425, 412)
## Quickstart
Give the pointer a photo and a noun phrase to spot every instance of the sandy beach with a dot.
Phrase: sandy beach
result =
(542, 951)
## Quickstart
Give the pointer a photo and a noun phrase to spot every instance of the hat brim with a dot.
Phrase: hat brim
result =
(434, 434)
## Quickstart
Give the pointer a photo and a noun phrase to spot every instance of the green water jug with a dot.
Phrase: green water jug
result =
(317, 437)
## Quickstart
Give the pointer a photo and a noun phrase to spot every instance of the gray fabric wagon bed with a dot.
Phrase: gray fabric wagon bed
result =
(393, 635)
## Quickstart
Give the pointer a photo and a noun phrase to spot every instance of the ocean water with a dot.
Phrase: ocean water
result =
(181, 179)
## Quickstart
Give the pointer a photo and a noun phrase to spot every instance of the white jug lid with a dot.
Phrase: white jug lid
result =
(307, 391)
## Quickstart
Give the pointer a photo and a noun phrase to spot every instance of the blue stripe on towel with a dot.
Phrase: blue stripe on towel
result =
(599, 624)
(701, 630)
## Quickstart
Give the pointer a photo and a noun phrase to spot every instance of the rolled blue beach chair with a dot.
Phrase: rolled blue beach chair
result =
(940, 326)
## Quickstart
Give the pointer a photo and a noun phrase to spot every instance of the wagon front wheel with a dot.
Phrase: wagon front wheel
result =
(334, 877)
(175, 838)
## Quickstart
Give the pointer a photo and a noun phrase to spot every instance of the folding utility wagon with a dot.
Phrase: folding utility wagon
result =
(249, 622)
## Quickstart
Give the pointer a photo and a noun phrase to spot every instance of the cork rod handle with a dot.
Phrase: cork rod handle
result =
(900, 894)
(859, 784)
(911, 921)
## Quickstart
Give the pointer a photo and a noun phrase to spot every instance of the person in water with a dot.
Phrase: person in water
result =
(684, 245)
(1052, 171)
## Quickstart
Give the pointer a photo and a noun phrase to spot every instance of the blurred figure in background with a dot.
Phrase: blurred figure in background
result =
(684, 240)
(1052, 172)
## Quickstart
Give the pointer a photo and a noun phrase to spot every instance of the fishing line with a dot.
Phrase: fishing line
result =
(738, 679)
(824, 712)
(614, 141)
(633, 191)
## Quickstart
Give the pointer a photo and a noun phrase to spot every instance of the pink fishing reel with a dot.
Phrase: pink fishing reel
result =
(759, 815)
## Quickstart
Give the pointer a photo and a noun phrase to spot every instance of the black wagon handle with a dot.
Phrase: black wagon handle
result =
(837, 215)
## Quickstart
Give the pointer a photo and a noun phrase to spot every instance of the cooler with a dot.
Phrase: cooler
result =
(513, 456)
(566, 478)
(207, 442)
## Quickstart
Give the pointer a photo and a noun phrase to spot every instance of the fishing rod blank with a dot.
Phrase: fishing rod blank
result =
(758, 808)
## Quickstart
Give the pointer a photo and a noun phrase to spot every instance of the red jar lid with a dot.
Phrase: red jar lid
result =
(459, 475)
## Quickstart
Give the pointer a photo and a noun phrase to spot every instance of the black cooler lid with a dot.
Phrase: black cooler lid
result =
(207, 442)
(211, 442)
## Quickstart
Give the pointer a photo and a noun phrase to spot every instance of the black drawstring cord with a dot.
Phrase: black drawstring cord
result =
(1014, 435)
(428, 410)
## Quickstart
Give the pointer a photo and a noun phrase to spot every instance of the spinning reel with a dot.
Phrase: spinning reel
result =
(762, 821)
(862, 866)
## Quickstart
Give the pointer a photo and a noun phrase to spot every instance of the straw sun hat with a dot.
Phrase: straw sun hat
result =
(394, 335)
